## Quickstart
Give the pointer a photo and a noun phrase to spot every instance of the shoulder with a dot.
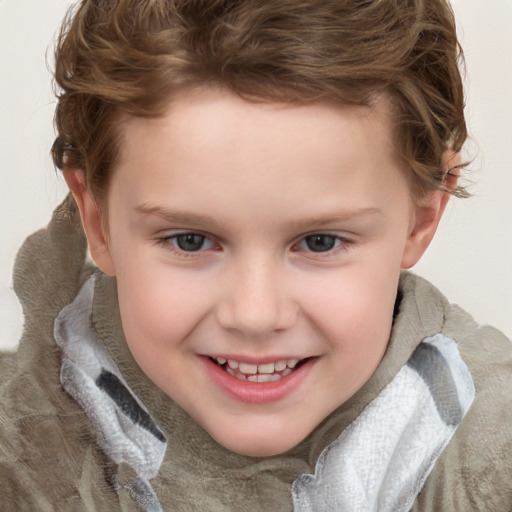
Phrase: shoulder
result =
(475, 470)
(48, 454)
(49, 459)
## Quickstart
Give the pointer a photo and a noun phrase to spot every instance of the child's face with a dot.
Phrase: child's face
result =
(260, 234)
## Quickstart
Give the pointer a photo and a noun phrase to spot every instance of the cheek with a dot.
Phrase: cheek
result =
(361, 291)
(354, 312)
(159, 308)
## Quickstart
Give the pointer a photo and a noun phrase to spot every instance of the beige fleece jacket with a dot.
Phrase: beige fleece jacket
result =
(50, 460)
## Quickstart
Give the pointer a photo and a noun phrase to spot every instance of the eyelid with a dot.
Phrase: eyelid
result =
(173, 233)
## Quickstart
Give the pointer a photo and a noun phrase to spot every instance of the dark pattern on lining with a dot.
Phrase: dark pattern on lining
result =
(115, 389)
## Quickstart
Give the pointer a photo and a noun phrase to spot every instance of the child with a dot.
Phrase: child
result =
(253, 180)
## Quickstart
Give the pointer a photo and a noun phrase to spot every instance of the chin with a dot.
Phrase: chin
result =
(259, 445)
(250, 449)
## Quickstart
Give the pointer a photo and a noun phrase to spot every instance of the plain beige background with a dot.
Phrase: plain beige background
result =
(471, 257)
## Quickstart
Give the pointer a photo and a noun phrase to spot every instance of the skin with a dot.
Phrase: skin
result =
(256, 180)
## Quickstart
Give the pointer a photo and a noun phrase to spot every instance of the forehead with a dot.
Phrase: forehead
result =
(212, 140)
(214, 117)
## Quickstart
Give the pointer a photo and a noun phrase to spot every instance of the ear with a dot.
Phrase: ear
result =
(91, 217)
(429, 211)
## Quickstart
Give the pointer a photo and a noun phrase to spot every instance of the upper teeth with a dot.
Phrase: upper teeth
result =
(252, 369)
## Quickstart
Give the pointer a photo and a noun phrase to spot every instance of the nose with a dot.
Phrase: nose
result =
(255, 301)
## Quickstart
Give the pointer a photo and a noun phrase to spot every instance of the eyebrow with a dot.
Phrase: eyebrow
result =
(176, 216)
(340, 216)
(209, 222)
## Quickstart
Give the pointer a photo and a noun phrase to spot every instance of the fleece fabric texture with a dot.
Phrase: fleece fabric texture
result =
(379, 462)
(50, 459)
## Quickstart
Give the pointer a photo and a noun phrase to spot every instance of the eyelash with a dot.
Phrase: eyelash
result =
(168, 242)
(341, 244)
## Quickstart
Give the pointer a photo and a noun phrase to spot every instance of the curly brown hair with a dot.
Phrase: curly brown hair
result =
(118, 57)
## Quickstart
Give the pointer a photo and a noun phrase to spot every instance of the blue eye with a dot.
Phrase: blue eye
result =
(320, 242)
(189, 242)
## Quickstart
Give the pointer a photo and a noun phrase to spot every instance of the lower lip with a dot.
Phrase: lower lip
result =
(257, 392)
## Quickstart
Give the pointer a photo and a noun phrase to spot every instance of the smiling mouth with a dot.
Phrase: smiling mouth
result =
(267, 372)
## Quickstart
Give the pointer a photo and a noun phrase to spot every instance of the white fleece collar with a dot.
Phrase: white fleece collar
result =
(124, 429)
(382, 459)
